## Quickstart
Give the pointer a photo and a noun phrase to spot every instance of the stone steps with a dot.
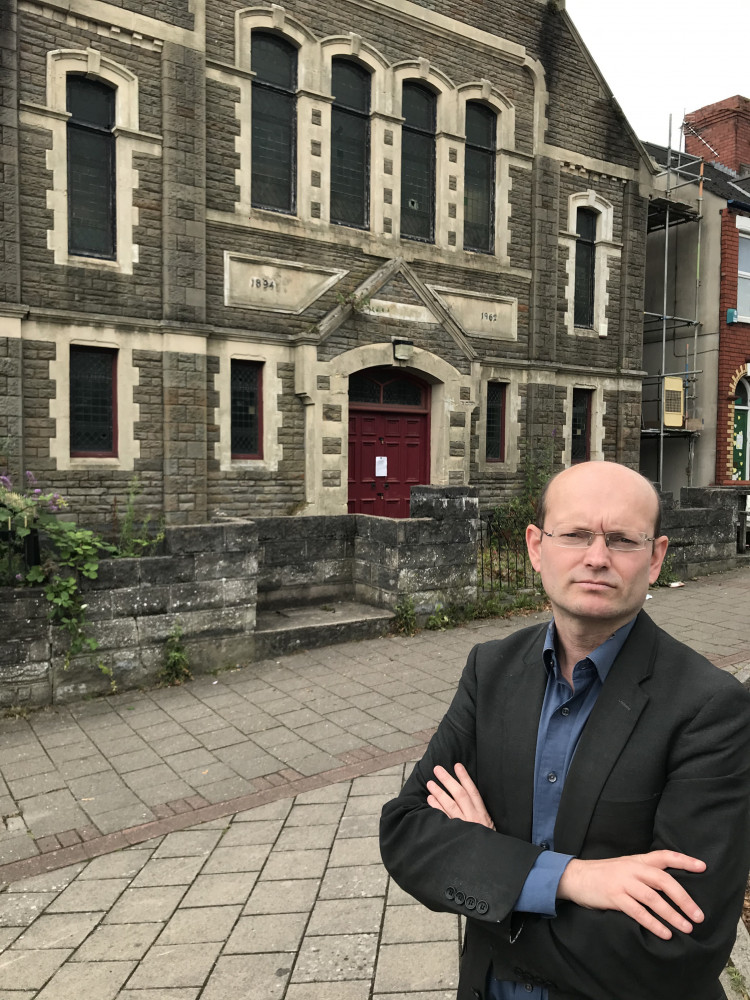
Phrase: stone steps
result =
(286, 630)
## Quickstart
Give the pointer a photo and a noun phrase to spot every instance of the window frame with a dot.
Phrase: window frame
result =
(407, 129)
(490, 152)
(113, 353)
(258, 88)
(590, 244)
(340, 109)
(588, 394)
(742, 276)
(258, 366)
(491, 459)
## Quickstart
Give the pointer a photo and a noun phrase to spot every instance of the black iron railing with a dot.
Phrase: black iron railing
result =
(503, 560)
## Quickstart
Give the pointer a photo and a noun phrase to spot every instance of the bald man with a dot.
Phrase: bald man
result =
(585, 802)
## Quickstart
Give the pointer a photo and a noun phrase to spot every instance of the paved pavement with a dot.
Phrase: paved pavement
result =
(220, 839)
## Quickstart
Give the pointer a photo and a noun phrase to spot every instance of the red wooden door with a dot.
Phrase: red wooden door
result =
(388, 454)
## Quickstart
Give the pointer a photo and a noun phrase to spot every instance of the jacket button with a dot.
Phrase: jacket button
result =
(528, 987)
(471, 903)
(450, 893)
(482, 906)
(476, 994)
(460, 897)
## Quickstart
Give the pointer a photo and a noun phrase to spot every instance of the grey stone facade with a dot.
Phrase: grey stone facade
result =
(177, 313)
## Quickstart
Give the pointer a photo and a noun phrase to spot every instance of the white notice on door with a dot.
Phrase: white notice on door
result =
(381, 465)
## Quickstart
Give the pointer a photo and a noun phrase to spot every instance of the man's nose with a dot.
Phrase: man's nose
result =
(597, 554)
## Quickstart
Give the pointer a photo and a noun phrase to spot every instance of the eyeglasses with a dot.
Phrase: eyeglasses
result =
(570, 537)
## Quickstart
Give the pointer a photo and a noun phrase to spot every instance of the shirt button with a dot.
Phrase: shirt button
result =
(565, 711)
(544, 845)
(552, 777)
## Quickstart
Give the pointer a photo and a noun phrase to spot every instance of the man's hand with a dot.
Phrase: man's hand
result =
(634, 886)
(458, 799)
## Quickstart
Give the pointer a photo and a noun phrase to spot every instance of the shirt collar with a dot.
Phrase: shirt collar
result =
(602, 657)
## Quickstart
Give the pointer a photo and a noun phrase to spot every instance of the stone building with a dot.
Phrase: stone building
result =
(295, 259)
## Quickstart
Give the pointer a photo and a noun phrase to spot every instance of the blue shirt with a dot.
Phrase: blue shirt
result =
(564, 715)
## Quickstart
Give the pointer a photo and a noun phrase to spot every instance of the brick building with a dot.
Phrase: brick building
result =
(295, 259)
(707, 322)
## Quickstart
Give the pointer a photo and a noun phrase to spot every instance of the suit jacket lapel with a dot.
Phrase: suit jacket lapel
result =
(523, 694)
(607, 731)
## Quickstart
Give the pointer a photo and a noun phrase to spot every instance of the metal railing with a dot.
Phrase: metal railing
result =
(503, 561)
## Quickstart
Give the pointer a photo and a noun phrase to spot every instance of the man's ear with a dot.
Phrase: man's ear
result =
(657, 557)
(534, 545)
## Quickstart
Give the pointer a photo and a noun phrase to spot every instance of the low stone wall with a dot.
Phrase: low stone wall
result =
(702, 530)
(211, 579)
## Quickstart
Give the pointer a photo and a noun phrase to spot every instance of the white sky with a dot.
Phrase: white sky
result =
(667, 56)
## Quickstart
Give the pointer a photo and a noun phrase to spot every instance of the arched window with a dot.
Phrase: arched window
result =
(350, 144)
(91, 167)
(418, 163)
(479, 178)
(583, 302)
(740, 443)
(274, 131)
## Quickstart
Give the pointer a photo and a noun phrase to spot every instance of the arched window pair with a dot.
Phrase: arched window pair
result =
(274, 130)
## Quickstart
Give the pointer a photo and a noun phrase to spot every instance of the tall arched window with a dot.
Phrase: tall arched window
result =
(418, 108)
(273, 183)
(479, 178)
(583, 302)
(740, 443)
(91, 167)
(350, 143)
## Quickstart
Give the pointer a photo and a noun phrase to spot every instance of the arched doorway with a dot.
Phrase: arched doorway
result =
(389, 440)
(740, 443)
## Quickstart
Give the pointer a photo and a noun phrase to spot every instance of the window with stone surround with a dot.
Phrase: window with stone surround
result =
(274, 123)
(350, 143)
(495, 436)
(479, 178)
(93, 402)
(590, 253)
(419, 106)
(743, 279)
(580, 448)
(246, 409)
(91, 167)
(585, 273)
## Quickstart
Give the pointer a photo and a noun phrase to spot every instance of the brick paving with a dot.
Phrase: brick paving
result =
(220, 839)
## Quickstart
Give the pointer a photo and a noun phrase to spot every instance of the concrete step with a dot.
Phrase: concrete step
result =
(285, 630)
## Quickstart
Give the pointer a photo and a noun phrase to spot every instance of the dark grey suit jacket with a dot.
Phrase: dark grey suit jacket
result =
(664, 762)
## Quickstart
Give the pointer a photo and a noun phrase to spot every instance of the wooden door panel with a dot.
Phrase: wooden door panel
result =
(402, 439)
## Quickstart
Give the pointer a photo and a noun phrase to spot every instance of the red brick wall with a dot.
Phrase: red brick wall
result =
(725, 126)
(734, 347)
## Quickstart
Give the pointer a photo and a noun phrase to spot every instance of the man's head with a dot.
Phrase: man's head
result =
(597, 583)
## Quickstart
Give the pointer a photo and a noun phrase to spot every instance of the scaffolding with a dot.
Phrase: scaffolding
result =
(665, 214)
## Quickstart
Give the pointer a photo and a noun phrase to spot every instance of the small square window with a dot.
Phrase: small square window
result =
(247, 409)
(93, 402)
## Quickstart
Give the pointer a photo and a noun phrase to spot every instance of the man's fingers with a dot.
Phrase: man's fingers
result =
(459, 799)
(673, 859)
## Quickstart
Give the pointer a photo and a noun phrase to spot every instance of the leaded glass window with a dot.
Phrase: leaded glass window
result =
(350, 143)
(91, 167)
(274, 129)
(495, 447)
(383, 387)
(479, 178)
(586, 220)
(418, 163)
(246, 410)
(92, 401)
(363, 389)
(581, 426)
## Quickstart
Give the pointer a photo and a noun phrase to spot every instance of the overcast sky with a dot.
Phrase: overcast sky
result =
(667, 56)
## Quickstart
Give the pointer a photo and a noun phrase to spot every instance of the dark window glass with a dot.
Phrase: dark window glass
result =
(91, 168)
(92, 401)
(586, 220)
(580, 446)
(495, 451)
(246, 409)
(350, 143)
(479, 178)
(274, 129)
(418, 163)
(380, 387)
